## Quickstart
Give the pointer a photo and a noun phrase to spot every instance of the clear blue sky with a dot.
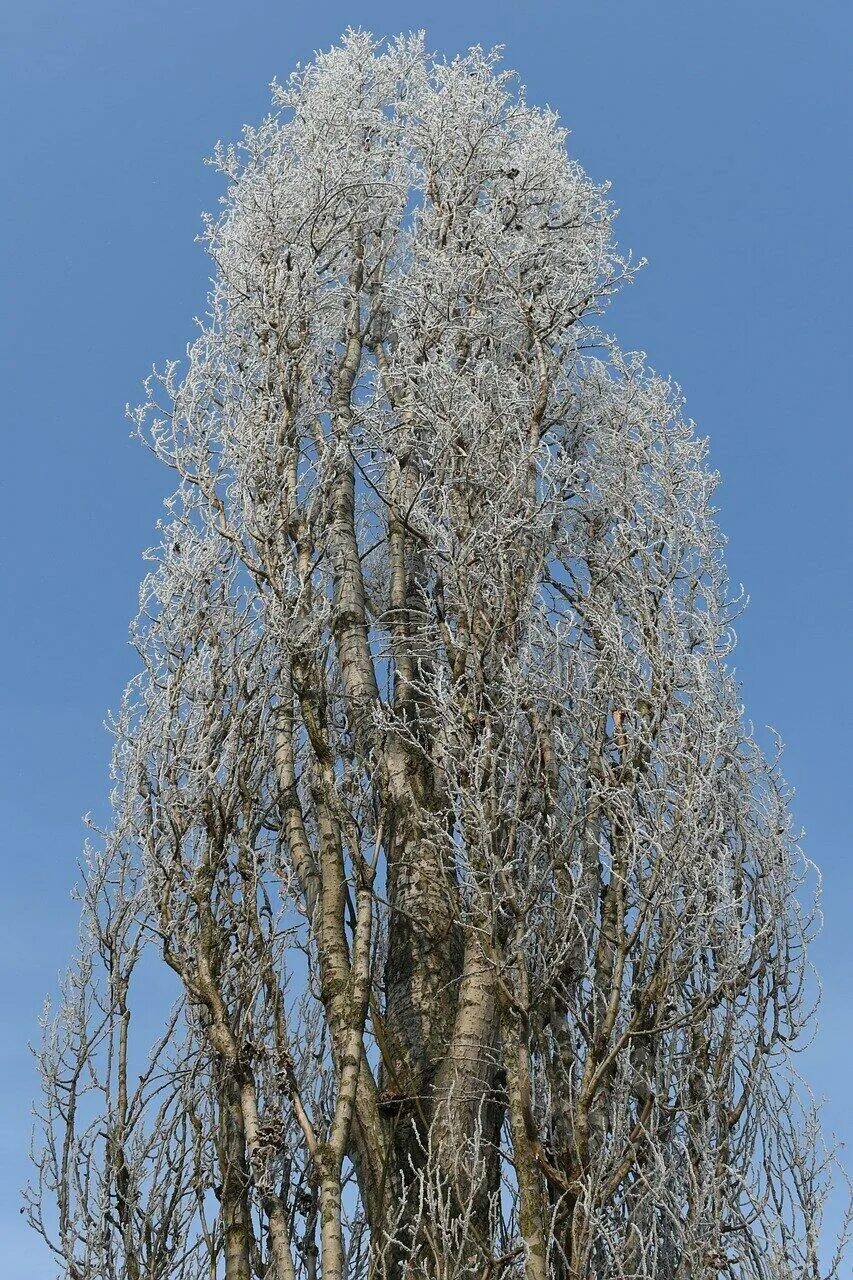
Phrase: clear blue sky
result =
(726, 132)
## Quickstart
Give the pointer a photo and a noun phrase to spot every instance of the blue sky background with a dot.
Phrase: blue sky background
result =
(726, 132)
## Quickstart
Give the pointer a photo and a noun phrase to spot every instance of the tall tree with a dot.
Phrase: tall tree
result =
(484, 909)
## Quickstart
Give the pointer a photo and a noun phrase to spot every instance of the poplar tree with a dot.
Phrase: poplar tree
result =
(484, 915)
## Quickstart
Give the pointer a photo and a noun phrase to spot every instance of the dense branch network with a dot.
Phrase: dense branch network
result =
(480, 903)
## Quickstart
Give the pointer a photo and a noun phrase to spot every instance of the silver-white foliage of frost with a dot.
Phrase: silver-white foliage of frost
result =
(434, 789)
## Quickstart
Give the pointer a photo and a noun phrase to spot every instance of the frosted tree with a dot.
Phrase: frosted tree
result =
(483, 911)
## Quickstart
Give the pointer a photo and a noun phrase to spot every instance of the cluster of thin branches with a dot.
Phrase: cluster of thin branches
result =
(481, 910)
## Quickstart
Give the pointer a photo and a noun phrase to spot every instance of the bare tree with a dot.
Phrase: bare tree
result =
(483, 909)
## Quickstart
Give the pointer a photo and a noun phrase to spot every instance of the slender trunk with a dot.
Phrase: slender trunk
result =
(234, 1174)
(531, 1215)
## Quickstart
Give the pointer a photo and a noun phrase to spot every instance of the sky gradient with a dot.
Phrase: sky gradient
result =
(726, 133)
